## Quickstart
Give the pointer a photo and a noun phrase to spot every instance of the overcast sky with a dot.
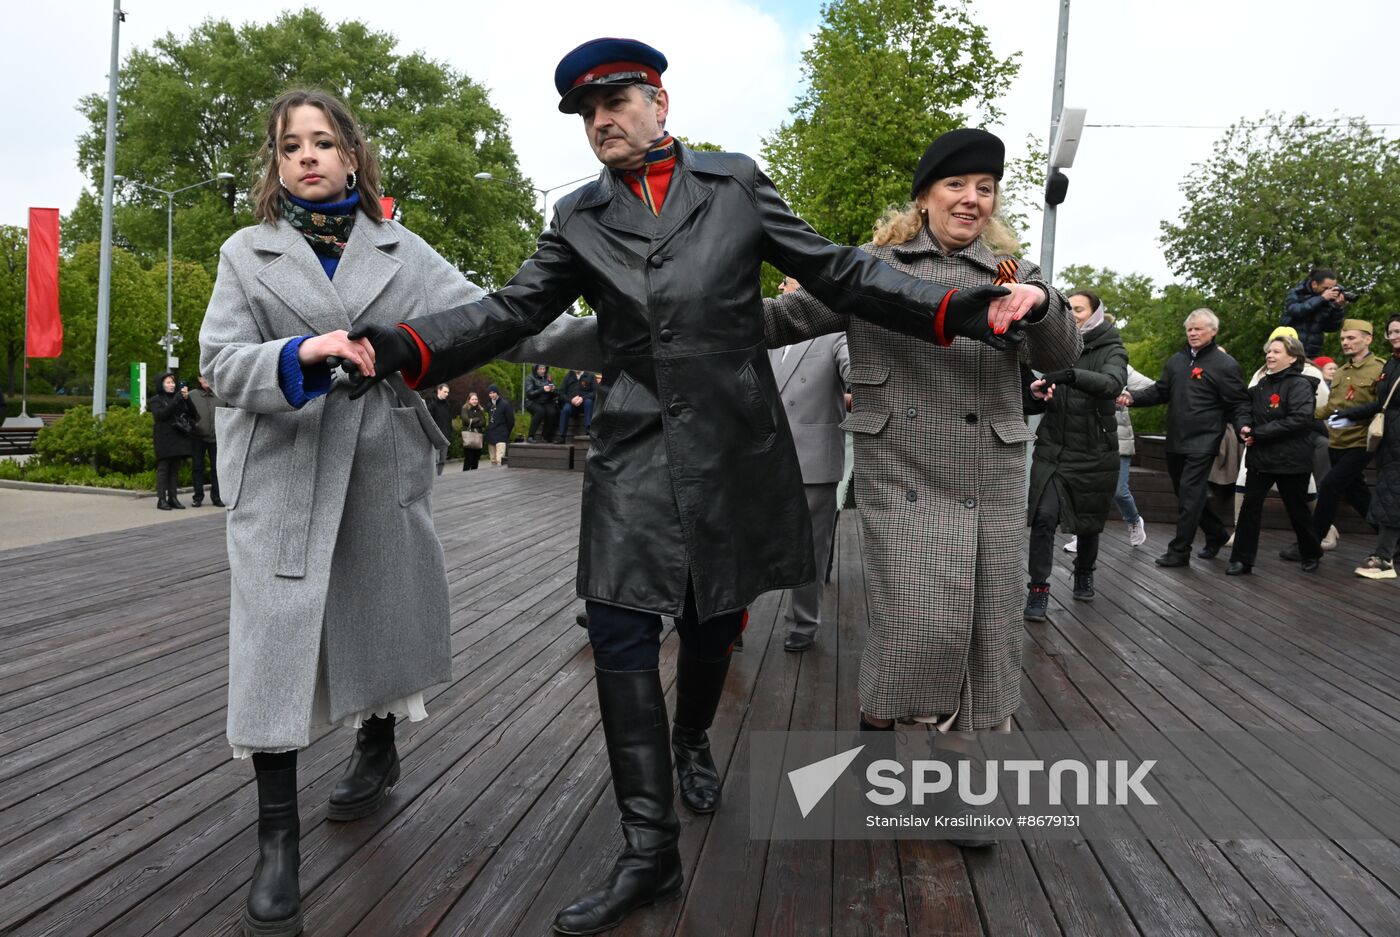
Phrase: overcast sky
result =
(734, 72)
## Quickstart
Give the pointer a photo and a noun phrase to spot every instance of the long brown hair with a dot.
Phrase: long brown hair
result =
(904, 222)
(349, 141)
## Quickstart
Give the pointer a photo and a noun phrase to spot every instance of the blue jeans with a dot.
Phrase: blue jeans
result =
(1123, 497)
(568, 411)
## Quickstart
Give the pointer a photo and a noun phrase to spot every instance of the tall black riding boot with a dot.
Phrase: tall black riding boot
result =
(649, 868)
(372, 774)
(274, 899)
(699, 685)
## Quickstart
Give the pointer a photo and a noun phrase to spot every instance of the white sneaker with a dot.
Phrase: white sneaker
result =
(1137, 533)
(1329, 542)
(1072, 546)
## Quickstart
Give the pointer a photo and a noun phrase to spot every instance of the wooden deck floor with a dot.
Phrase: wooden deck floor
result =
(121, 812)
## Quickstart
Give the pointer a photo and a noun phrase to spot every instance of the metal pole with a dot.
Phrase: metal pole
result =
(1057, 104)
(104, 276)
(169, 279)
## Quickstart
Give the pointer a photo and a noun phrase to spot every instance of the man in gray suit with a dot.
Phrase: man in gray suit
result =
(812, 378)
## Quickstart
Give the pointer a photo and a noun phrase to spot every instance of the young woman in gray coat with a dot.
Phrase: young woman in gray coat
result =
(339, 608)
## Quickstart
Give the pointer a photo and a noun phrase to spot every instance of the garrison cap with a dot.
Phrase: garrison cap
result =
(602, 63)
(959, 152)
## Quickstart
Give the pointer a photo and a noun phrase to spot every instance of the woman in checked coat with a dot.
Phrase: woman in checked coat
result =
(940, 456)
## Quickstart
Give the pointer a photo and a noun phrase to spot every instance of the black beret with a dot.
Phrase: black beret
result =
(959, 152)
(603, 62)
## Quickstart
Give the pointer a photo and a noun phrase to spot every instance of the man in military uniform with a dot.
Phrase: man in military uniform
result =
(692, 497)
(1353, 384)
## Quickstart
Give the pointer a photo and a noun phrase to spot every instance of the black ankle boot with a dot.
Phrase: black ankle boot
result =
(949, 804)
(274, 898)
(373, 772)
(699, 685)
(649, 869)
(1084, 586)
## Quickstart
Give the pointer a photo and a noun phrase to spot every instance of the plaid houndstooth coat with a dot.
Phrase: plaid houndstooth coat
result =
(940, 484)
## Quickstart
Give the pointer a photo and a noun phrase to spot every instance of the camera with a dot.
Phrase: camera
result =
(1350, 296)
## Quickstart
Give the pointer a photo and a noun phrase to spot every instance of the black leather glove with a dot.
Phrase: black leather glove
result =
(394, 350)
(966, 315)
(1065, 377)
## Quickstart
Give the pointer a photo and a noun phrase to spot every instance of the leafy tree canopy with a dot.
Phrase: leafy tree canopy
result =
(884, 78)
(1277, 196)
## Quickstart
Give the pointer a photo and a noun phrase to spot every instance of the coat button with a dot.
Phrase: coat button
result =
(971, 418)
(657, 260)
(675, 409)
(912, 412)
(969, 503)
(664, 335)
(911, 496)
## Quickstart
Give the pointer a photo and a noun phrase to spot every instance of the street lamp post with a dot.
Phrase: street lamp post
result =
(544, 214)
(169, 340)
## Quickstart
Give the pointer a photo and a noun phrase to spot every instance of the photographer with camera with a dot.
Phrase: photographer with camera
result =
(1315, 306)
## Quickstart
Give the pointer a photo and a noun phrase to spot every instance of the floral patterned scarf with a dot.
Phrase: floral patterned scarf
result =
(325, 225)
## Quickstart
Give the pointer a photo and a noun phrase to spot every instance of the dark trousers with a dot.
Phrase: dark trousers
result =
(470, 458)
(1042, 549)
(1386, 542)
(1189, 475)
(1293, 489)
(624, 639)
(1345, 481)
(202, 446)
(543, 416)
(569, 409)
(167, 477)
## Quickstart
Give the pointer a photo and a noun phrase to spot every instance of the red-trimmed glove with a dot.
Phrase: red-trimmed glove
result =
(394, 351)
(965, 313)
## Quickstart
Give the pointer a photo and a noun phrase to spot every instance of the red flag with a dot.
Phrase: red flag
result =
(386, 204)
(44, 329)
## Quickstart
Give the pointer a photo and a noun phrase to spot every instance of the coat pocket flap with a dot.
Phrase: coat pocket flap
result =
(870, 373)
(1012, 431)
(234, 430)
(865, 421)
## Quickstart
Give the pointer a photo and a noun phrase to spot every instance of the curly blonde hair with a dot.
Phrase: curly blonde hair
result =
(901, 225)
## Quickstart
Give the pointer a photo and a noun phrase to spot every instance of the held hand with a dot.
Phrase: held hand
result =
(1041, 389)
(967, 315)
(1020, 302)
(577, 401)
(1247, 435)
(1125, 399)
(392, 350)
(354, 356)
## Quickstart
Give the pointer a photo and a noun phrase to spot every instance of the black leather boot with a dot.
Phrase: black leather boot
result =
(950, 804)
(373, 772)
(649, 868)
(274, 898)
(699, 685)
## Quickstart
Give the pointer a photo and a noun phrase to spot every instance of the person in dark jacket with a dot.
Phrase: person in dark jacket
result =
(440, 409)
(1204, 390)
(502, 424)
(175, 418)
(577, 395)
(1384, 511)
(1314, 307)
(1074, 467)
(542, 403)
(204, 441)
(1278, 435)
(693, 503)
(474, 420)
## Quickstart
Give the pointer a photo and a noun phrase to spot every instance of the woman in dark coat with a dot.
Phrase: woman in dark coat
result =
(440, 409)
(1074, 469)
(172, 443)
(501, 426)
(1385, 499)
(474, 419)
(1279, 440)
(542, 402)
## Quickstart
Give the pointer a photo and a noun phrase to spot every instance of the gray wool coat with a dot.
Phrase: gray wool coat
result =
(333, 557)
(940, 451)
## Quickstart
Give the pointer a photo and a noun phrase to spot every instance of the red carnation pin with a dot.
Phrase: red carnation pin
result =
(1196, 373)
(1273, 401)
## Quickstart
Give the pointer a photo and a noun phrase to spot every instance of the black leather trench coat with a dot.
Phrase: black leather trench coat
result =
(692, 474)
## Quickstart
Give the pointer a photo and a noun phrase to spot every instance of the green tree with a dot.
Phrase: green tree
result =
(194, 106)
(1277, 196)
(137, 319)
(14, 249)
(884, 77)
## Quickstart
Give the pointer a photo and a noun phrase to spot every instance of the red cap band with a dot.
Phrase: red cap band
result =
(601, 72)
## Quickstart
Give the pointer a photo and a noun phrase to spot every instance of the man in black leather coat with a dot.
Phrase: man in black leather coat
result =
(692, 499)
